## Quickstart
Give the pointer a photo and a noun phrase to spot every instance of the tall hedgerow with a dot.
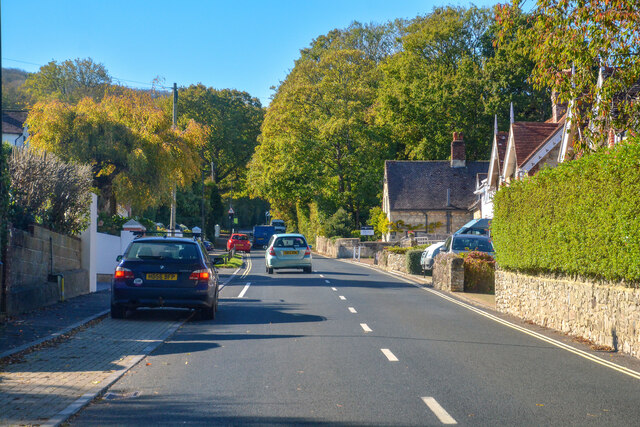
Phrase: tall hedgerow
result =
(579, 219)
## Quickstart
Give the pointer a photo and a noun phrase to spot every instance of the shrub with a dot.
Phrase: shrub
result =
(46, 190)
(397, 250)
(580, 219)
(479, 272)
(338, 225)
(4, 194)
(413, 261)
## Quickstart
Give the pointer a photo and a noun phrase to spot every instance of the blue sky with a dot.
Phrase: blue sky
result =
(247, 45)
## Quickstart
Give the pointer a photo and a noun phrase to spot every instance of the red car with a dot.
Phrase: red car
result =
(239, 241)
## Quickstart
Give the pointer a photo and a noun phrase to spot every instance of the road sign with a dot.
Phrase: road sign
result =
(366, 230)
(235, 220)
(231, 211)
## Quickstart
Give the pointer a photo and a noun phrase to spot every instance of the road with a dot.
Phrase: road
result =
(349, 345)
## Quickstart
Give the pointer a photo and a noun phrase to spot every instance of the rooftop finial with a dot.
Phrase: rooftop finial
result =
(495, 125)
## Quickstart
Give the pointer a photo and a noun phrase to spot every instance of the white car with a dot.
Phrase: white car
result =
(429, 254)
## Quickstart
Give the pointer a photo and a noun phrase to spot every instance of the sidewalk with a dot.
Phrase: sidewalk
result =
(43, 382)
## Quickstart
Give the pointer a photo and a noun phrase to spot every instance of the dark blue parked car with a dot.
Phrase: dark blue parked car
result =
(165, 272)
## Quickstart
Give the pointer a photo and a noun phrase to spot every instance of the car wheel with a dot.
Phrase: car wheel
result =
(269, 270)
(118, 311)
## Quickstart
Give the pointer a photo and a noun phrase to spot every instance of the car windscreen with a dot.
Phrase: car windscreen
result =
(290, 242)
(279, 223)
(162, 251)
(241, 237)
(472, 244)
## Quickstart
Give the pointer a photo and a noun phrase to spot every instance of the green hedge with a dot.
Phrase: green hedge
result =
(413, 261)
(581, 218)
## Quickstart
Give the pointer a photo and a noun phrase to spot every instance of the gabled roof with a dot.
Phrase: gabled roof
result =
(527, 136)
(554, 133)
(423, 185)
(13, 121)
(502, 139)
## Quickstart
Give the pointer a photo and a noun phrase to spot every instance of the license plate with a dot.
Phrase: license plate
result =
(160, 276)
(290, 252)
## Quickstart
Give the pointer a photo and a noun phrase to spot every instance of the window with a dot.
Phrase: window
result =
(162, 251)
(290, 242)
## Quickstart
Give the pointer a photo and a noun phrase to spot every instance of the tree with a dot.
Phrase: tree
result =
(68, 81)
(233, 119)
(585, 35)
(318, 140)
(449, 77)
(14, 96)
(135, 155)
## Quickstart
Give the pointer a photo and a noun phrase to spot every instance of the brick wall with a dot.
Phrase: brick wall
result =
(31, 256)
(606, 315)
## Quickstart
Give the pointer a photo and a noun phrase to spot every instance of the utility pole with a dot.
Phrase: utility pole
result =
(172, 219)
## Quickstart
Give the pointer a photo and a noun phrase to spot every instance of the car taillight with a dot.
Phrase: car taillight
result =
(307, 252)
(272, 252)
(199, 275)
(123, 273)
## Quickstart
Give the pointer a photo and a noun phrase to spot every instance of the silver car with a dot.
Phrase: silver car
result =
(288, 251)
(462, 243)
(429, 254)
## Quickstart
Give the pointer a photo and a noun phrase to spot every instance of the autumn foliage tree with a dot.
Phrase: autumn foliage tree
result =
(135, 155)
(586, 36)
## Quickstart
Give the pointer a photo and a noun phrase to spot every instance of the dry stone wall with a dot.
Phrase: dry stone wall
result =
(606, 315)
(448, 274)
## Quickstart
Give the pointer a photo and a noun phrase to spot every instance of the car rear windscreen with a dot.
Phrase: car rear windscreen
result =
(162, 251)
(471, 244)
(291, 242)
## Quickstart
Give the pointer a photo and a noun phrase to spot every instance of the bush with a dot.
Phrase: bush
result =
(397, 250)
(580, 219)
(479, 272)
(338, 225)
(46, 190)
(413, 261)
(4, 194)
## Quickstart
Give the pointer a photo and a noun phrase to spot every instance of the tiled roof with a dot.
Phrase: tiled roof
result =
(559, 128)
(527, 136)
(13, 121)
(423, 185)
(502, 140)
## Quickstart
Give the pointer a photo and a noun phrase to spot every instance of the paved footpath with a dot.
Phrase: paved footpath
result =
(46, 385)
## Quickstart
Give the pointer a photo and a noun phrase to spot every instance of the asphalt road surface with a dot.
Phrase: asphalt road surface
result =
(348, 345)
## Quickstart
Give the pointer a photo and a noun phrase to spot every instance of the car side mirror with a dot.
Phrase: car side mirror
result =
(119, 258)
(310, 246)
(217, 260)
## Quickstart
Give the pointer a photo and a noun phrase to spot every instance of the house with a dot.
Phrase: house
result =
(14, 130)
(523, 151)
(436, 196)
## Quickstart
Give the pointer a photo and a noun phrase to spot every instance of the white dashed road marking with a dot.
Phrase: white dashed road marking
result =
(333, 289)
(390, 356)
(439, 411)
(342, 297)
(322, 275)
(365, 327)
(244, 290)
(353, 310)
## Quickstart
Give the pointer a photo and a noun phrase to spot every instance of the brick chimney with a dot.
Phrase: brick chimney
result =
(558, 109)
(458, 158)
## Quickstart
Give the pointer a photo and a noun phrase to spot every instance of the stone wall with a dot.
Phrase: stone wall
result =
(448, 273)
(391, 261)
(31, 257)
(344, 248)
(413, 218)
(606, 315)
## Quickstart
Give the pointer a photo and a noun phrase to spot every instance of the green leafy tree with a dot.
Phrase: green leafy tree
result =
(319, 142)
(68, 81)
